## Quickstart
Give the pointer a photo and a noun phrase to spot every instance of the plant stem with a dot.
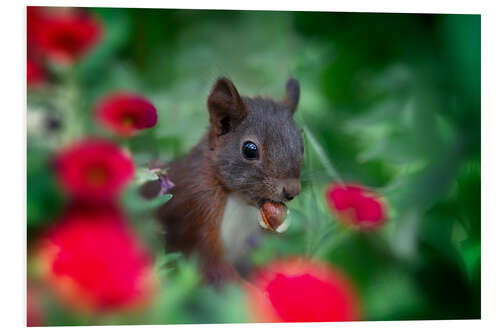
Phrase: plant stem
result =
(332, 172)
(70, 98)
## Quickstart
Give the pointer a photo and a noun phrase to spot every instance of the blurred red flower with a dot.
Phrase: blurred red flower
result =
(65, 35)
(35, 73)
(125, 113)
(356, 205)
(302, 290)
(92, 260)
(35, 17)
(93, 169)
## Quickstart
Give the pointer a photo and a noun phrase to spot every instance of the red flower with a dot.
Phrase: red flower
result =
(35, 73)
(355, 205)
(35, 17)
(301, 290)
(65, 36)
(91, 260)
(93, 169)
(125, 113)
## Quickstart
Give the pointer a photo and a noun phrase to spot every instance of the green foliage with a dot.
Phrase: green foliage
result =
(43, 197)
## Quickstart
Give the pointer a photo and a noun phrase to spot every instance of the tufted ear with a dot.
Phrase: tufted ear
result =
(225, 106)
(292, 94)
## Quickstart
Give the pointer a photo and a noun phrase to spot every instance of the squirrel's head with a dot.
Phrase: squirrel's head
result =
(256, 148)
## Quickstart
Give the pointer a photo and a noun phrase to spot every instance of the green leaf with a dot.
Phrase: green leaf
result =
(143, 175)
(135, 203)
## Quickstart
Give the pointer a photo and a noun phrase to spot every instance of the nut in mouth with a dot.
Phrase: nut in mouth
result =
(273, 215)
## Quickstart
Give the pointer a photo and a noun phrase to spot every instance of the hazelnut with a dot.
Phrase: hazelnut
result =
(273, 216)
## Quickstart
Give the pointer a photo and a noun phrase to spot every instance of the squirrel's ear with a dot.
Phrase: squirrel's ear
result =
(292, 94)
(225, 106)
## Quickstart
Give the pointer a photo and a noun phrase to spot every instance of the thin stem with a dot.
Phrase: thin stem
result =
(69, 103)
(332, 172)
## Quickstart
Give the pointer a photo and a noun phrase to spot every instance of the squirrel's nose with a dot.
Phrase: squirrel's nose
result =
(291, 188)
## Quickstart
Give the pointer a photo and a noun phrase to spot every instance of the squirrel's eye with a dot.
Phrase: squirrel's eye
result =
(250, 150)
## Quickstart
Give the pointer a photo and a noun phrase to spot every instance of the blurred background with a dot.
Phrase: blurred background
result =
(389, 101)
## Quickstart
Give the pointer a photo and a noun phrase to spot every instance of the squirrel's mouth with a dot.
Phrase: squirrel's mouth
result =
(273, 215)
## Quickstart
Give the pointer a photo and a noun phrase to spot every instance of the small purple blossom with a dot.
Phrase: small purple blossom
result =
(166, 184)
(253, 241)
(161, 172)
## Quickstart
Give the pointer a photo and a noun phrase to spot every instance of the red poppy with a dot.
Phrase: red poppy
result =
(302, 290)
(125, 113)
(35, 73)
(93, 169)
(65, 36)
(356, 205)
(92, 260)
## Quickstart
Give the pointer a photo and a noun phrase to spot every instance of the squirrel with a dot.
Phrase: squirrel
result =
(249, 161)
